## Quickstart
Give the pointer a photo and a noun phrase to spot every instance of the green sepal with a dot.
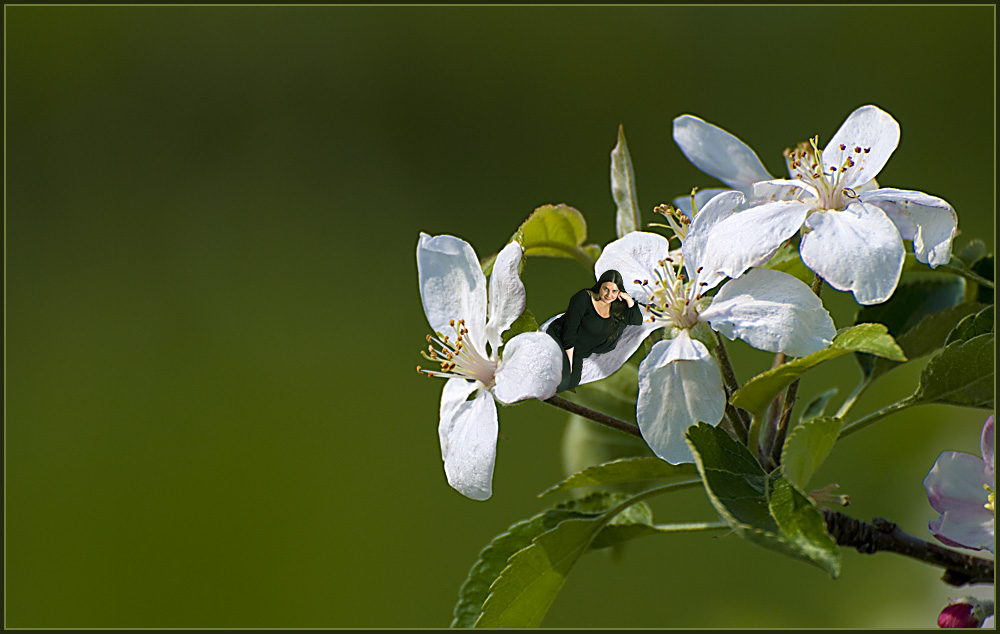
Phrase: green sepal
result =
(759, 391)
(767, 510)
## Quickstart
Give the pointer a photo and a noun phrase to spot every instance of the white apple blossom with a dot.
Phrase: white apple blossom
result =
(467, 342)
(679, 382)
(852, 228)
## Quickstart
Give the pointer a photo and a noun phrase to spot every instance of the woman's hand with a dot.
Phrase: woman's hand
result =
(626, 298)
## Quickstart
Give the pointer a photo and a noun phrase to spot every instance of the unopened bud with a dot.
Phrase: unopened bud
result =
(965, 612)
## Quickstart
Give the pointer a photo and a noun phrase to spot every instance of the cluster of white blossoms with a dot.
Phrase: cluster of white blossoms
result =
(852, 232)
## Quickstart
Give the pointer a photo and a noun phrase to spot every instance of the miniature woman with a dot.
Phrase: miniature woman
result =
(593, 323)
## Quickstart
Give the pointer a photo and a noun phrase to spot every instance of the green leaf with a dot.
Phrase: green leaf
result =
(522, 593)
(557, 231)
(926, 337)
(493, 558)
(787, 260)
(972, 252)
(764, 509)
(759, 391)
(817, 406)
(524, 323)
(623, 188)
(913, 300)
(962, 373)
(973, 326)
(806, 447)
(622, 470)
(525, 589)
(802, 527)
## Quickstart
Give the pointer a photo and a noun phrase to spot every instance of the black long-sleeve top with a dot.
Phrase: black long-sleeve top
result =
(585, 331)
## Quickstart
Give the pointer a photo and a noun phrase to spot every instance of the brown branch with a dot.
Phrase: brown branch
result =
(882, 535)
(594, 415)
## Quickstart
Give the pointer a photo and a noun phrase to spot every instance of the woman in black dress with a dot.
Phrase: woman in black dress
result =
(593, 323)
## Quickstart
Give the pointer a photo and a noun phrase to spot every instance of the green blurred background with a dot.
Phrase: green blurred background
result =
(213, 418)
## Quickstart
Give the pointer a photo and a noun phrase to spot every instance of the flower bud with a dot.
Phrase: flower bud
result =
(965, 612)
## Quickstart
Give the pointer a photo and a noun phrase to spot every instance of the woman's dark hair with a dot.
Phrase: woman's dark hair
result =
(618, 308)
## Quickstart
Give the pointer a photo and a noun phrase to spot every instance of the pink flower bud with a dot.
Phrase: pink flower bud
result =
(965, 612)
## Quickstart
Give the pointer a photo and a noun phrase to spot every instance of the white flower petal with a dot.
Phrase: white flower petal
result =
(927, 220)
(531, 368)
(741, 240)
(602, 365)
(771, 311)
(456, 391)
(972, 527)
(507, 296)
(718, 153)
(718, 209)
(857, 249)
(452, 285)
(783, 189)
(469, 444)
(679, 385)
(869, 128)
(701, 198)
(955, 478)
(635, 256)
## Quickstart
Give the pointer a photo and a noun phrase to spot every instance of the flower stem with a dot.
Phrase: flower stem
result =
(737, 417)
(883, 535)
(594, 415)
(788, 402)
(969, 275)
(860, 424)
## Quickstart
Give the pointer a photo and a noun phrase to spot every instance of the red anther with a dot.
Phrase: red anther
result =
(843, 147)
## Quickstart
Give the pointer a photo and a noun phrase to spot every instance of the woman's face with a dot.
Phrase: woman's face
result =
(609, 292)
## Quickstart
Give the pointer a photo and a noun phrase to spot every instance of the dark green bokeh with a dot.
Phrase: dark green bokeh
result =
(213, 418)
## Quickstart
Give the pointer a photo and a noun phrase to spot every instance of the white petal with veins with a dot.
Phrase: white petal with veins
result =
(452, 285)
(507, 296)
(857, 250)
(679, 386)
(771, 311)
(927, 220)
